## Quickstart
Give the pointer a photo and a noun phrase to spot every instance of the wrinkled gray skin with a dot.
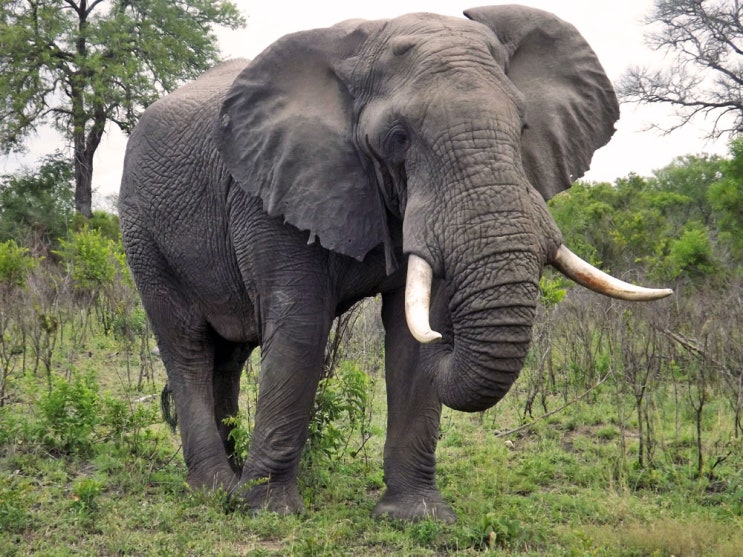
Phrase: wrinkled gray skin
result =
(261, 200)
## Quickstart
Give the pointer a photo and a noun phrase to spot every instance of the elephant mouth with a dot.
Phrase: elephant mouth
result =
(419, 278)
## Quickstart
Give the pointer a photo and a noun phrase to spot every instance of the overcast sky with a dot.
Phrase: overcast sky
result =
(614, 30)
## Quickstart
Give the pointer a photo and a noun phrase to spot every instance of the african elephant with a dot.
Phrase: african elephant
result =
(411, 158)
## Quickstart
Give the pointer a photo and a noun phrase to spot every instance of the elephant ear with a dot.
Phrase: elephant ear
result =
(571, 107)
(285, 134)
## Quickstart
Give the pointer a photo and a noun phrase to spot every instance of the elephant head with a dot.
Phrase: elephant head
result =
(455, 131)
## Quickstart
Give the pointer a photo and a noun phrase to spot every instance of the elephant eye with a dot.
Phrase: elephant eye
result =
(396, 142)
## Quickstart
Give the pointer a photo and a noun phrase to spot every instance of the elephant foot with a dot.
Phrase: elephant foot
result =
(261, 495)
(225, 479)
(412, 507)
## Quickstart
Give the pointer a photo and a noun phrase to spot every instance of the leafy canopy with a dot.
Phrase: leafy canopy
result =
(81, 64)
(36, 206)
(683, 223)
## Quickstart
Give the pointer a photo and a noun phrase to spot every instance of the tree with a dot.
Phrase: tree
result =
(705, 40)
(79, 64)
(36, 206)
(726, 198)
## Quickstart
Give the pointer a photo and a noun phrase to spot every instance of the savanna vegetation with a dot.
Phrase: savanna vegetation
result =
(624, 435)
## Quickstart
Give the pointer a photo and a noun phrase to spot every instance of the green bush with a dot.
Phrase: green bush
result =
(70, 412)
(90, 258)
(14, 503)
(691, 254)
(340, 410)
(15, 263)
(85, 491)
(107, 224)
(36, 206)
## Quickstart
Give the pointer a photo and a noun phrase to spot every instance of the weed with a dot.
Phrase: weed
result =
(70, 412)
(15, 500)
(85, 492)
(340, 411)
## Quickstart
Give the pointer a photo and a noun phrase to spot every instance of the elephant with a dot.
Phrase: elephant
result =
(409, 158)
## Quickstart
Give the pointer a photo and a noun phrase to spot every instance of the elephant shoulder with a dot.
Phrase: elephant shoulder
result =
(193, 102)
(212, 83)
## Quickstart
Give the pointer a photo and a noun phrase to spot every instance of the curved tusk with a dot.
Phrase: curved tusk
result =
(589, 276)
(418, 300)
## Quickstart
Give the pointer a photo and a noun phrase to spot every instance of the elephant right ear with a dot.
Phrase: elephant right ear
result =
(285, 134)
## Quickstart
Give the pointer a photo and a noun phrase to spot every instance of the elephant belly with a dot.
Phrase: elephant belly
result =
(233, 326)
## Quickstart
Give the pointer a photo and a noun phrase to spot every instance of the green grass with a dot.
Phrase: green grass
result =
(112, 483)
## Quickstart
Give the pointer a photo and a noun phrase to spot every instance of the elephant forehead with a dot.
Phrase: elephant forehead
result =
(427, 30)
(426, 45)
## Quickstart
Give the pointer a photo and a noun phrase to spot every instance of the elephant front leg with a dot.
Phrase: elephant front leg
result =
(413, 419)
(292, 356)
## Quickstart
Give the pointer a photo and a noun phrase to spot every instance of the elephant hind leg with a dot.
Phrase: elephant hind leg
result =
(187, 347)
(229, 360)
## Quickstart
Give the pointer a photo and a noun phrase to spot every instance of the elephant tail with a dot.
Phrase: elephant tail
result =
(167, 407)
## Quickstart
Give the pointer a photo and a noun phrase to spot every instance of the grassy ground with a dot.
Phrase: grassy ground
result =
(108, 479)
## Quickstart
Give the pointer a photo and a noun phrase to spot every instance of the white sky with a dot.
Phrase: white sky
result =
(614, 30)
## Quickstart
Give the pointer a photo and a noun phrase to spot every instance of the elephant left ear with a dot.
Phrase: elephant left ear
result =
(571, 107)
(286, 135)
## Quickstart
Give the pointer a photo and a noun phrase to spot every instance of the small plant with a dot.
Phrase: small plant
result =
(70, 412)
(85, 492)
(426, 532)
(89, 258)
(240, 435)
(494, 530)
(15, 263)
(552, 290)
(128, 423)
(340, 410)
(14, 503)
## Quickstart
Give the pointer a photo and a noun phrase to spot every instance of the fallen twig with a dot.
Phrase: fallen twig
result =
(556, 410)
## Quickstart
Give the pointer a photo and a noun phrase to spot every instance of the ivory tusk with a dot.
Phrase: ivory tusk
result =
(589, 276)
(418, 300)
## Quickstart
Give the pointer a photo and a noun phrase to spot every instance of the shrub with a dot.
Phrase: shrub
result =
(15, 263)
(36, 206)
(691, 254)
(69, 414)
(90, 259)
(340, 410)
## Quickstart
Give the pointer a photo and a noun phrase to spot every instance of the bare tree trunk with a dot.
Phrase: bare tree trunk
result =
(83, 183)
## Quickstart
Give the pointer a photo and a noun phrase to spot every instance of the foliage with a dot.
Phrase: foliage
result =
(106, 223)
(80, 65)
(36, 206)
(90, 259)
(703, 40)
(691, 253)
(551, 290)
(15, 264)
(681, 224)
(69, 414)
(726, 199)
(340, 411)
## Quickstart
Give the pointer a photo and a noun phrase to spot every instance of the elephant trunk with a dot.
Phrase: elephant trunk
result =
(492, 322)
(492, 302)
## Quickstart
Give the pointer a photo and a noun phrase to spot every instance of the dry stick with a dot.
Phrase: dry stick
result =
(556, 410)
(692, 345)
